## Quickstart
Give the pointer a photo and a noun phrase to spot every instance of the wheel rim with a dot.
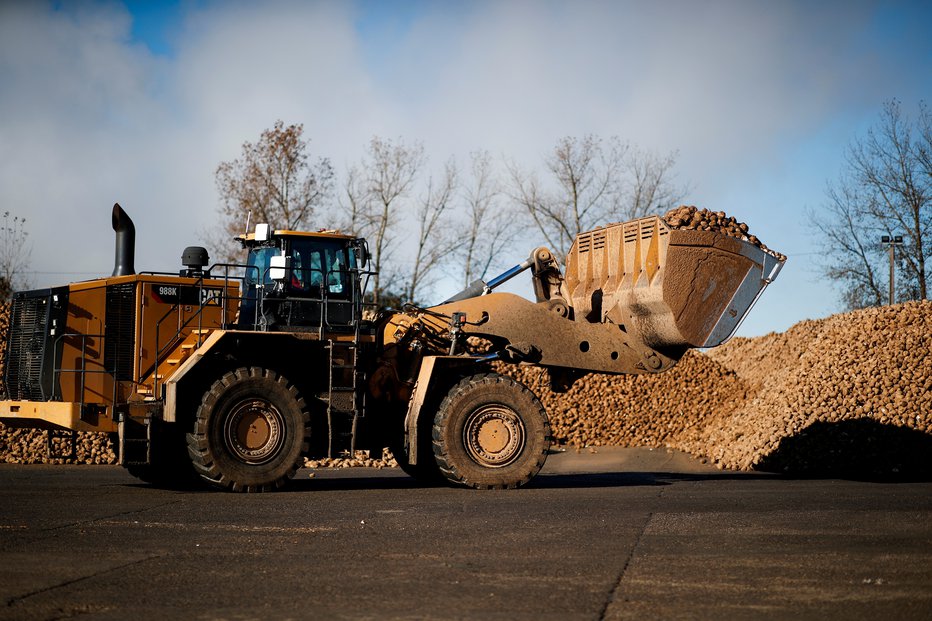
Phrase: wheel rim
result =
(253, 431)
(494, 435)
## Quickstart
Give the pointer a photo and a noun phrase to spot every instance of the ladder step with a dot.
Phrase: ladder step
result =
(344, 401)
(188, 346)
(134, 442)
(341, 401)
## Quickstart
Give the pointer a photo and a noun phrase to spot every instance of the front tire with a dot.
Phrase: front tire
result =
(250, 431)
(490, 432)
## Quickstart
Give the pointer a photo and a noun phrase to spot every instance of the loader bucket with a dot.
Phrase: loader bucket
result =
(668, 287)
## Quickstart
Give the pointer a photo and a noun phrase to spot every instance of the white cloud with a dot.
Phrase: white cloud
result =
(88, 116)
(74, 100)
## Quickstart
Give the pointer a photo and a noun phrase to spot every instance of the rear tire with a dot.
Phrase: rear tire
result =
(250, 431)
(490, 432)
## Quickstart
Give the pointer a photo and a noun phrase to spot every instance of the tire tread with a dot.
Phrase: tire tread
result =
(447, 462)
(198, 441)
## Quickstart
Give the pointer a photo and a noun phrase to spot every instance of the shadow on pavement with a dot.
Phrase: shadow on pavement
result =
(626, 479)
(858, 450)
(354, 479)
(351, 479)
(862, 449)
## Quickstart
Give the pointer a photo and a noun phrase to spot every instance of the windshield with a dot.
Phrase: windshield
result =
(321, 266)
(258, 266)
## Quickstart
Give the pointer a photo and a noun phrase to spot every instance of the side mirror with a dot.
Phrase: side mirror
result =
(362, 253)
(279, 268)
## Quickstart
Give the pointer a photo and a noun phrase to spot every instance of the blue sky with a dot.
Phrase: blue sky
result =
(138, 102)
(156, 24)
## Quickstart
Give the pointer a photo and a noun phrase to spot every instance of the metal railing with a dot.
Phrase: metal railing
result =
(356, 279)
(182, 324)
(82, 372)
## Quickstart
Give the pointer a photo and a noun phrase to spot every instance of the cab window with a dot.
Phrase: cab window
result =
(321, 267)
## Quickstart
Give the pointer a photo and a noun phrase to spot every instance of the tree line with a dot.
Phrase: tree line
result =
(459, 220)
(884, 191)
(424, 222)
(15, 252)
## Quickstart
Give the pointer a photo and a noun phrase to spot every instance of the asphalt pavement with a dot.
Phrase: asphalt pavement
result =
(615, 534)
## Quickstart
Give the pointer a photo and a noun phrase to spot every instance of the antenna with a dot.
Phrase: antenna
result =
(248, 218)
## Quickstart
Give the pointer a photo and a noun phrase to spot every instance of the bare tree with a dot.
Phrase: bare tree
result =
(853, 242)
(488, 228)
(375, 193)
(434, 241)
(885, 189)
(593, 182)
(647, 188)
(273, 181)
(355, 202)
(14, 254)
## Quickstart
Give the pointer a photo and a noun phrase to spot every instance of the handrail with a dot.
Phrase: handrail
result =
(358, 283)
(197, 315)
(325, 299)
(82, 372)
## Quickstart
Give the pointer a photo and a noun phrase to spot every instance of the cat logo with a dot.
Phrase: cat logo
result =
(188, 295)
(211, 297)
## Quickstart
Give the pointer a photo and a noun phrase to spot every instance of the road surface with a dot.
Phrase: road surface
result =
(618, 534)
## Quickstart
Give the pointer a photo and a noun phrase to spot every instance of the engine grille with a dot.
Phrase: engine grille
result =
(120, 331)
(29, 365)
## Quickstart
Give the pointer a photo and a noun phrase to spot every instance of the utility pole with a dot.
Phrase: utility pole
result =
(892, 241)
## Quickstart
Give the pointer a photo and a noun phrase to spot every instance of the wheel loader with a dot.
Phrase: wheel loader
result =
(233, 374)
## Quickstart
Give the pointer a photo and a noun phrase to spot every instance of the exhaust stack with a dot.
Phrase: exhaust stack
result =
(125, 242)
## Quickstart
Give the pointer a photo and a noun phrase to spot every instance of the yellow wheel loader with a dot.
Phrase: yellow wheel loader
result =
(232, 374)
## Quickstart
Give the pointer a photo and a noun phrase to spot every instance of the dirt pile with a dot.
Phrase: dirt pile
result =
(635, 410)
(692, 218)
(360, 459)
(833, 396)
(30, 446)
(850, 393)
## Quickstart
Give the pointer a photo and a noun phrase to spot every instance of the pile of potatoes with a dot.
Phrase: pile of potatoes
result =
(857, 382)
(30, 446)
(361, 459)
(794, 401)
(855, 386)
(635, 410)
(691, 218)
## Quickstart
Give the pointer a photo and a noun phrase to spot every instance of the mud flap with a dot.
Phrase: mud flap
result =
(435, 377)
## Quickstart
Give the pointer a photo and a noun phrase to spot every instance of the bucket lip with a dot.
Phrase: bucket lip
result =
(770, 267)
(728, 243)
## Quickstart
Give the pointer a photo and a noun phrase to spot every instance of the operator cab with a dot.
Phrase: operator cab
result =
(301, 281)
